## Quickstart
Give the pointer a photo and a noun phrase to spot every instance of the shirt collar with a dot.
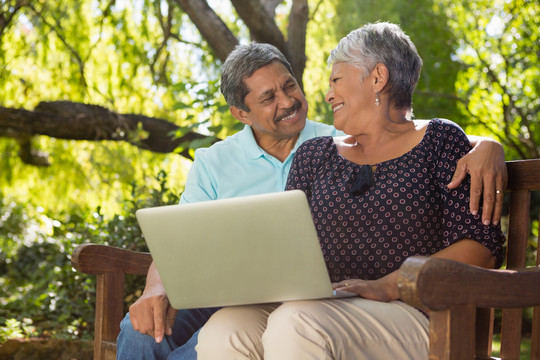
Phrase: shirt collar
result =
(248, 144)
(252, 150)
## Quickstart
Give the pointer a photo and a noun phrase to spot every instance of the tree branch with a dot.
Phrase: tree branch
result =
(210, 25)
(270, 6)
(91, 123)
(262, 27)
(315, 9)
(7, 17)
(29, 156)
(56, 29)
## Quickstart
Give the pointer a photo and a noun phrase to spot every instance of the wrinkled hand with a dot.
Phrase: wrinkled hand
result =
(485, 164)
(152, 314)
(383, 289)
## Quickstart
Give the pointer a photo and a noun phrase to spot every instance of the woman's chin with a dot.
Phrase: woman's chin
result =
(339, 126)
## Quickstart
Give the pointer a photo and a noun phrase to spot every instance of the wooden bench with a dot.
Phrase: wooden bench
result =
(110, 265)
(460, 298)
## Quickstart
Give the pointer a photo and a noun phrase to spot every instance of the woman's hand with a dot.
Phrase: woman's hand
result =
(383, 289)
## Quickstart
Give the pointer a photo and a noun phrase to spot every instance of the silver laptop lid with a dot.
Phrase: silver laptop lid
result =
(245, 250)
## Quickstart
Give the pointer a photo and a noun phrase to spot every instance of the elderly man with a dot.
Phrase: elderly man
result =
(262, 93)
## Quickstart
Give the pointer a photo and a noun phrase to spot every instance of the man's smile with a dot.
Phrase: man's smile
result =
(290, 113)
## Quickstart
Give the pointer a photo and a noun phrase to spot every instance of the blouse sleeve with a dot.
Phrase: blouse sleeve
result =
(457, 220)
(304, 165)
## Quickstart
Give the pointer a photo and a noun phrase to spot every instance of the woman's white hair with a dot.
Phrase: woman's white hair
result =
(384, 43)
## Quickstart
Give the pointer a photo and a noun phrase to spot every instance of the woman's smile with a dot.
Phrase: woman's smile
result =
(337, 107)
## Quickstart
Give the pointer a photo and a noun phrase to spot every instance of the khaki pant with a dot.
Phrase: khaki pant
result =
(352, 328)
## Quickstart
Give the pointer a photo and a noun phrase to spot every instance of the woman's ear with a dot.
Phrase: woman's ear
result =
(380, 77)
(240, 115)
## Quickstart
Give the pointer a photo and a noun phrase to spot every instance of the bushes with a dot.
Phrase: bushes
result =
(41, 294)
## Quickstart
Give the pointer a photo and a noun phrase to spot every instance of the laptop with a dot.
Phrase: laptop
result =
(244, 250)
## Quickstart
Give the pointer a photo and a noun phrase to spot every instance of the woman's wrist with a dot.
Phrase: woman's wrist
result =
(390, 282)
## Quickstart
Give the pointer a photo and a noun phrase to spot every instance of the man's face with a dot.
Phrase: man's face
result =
(277, 106)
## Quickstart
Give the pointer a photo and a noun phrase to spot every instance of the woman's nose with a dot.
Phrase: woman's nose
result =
(329, 97)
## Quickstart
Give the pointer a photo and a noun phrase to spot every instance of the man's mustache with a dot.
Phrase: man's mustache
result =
(297, 105)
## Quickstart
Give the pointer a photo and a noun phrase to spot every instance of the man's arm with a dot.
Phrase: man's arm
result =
(485, 164)
(152, 313)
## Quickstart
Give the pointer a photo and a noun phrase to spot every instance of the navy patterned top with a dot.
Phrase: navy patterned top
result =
(368, 228)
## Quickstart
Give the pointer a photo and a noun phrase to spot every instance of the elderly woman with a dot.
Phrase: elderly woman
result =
(377, 196)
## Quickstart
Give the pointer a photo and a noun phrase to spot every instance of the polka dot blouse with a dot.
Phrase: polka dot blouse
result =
(369, 224)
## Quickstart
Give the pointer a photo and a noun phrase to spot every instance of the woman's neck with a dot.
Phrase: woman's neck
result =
(382, 143)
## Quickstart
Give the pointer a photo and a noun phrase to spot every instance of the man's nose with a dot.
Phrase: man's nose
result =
(285, 100)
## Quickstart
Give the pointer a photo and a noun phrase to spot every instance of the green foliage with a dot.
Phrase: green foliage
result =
(499, 83)
(42, 295)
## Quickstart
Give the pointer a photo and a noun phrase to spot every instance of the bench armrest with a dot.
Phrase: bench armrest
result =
(438, 284)
(97, 259)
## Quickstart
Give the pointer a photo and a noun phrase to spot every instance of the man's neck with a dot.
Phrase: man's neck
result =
(278, 148)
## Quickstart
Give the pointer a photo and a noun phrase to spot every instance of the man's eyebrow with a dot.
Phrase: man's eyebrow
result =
(266, 94)
(291, 80)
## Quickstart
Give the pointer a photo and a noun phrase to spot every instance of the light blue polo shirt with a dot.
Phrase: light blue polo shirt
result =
(237, 166)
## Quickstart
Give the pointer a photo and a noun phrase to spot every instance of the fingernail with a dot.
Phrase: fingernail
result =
(486, 222)
(474, 212)
(496, 222)
(158, 339)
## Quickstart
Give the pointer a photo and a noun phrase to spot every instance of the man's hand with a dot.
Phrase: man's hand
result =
(485, 164)
(152, 313)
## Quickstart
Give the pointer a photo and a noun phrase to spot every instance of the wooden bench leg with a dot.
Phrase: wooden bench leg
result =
(484, 332)
(452, 333)
(108, 314)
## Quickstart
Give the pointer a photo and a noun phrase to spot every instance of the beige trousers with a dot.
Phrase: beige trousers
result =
(352, 328)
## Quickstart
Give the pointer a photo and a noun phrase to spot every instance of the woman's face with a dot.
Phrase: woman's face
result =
(351, 97)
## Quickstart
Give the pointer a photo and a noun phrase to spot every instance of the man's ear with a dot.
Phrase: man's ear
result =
(240, 115)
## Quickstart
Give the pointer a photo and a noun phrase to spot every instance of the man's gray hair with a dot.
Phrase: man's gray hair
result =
(387, 44)
(241, 63)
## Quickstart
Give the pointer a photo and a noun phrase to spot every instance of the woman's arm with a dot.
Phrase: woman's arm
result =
(385, 289)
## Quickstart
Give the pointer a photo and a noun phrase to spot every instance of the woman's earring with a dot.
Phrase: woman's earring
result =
(377, 100)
